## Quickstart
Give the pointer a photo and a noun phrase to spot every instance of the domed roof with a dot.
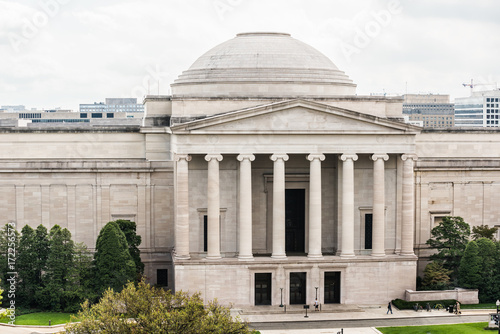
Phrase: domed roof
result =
(235, 66)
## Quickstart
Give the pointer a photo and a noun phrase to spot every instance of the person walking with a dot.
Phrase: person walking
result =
(389, 308)
(316, 304)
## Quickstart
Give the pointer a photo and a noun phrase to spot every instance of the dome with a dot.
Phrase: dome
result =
(263, 64)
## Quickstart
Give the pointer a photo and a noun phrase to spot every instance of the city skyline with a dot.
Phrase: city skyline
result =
(62, 53)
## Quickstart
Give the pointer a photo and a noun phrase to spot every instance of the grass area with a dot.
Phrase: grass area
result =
(478, 306)
(41, 318)
(438, 329)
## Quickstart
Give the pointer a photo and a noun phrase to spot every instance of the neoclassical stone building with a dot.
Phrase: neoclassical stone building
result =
(262, 179)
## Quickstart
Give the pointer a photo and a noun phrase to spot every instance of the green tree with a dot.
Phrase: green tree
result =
(80, 279)
(436, 277)
(483, 231)
(114, 266)
(9, 247)
(53, 295)
(487, 253)
(28, 273)
(469, 272)
(144, 309)
(129, 228)
(450, 239)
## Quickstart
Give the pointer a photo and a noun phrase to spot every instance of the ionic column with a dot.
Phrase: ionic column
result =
(378, 233)
(182, 207)
(315, 205)
(213, 207)
(348, 204)
(408, 212)
(279, 205)
(245, 251)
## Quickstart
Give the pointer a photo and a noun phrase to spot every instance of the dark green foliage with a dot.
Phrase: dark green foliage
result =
(484, 231)
(470, 267)
(129, 228)
(114, 266)
(436, 277)
(404, 305)
(29, 266)
(450, 239)
(144, 309)
(9, 238)
(53, 293)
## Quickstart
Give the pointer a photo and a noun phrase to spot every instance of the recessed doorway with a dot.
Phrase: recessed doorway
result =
(297, 288)
(295, 220)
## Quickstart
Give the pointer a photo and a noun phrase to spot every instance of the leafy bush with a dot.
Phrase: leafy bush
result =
(404, 305)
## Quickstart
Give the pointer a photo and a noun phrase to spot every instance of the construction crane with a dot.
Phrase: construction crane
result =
(472, 85)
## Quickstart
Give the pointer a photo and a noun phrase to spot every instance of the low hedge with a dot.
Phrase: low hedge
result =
(404, 305)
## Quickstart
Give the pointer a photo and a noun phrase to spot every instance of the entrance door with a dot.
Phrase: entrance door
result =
(332, 287)
(295, 216)
(263, 289)
(297, 288)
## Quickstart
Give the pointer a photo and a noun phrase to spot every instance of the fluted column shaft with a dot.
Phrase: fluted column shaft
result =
(315, 205)
(348, 204)
(378, 230)
(213, 207)
(182, 207)
(245, 208)
(279, 205)
(408, 212)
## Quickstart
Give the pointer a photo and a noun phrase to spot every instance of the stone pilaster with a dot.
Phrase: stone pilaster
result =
(182, 206)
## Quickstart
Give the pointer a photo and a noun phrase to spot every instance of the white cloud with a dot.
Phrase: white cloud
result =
(89, 50)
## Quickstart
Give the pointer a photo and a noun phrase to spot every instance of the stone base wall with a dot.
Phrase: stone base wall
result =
(464, 296)
(363, 279)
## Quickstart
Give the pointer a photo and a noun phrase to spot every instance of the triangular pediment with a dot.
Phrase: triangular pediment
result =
(296, 116)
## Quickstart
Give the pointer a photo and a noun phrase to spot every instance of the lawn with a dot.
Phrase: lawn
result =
(438, 329)
(41, 318)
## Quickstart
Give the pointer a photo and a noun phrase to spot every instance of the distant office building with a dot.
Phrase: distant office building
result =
(478, 110)
(429, 110)
(30, 118)
(112, 105)
(12, 108)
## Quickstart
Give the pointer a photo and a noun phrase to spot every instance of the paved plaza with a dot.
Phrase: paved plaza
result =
(352, 319)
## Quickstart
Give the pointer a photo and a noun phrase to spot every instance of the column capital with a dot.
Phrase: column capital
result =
(209, 157)
(249, 157)
(313, 156)
(407, 156)
(383, 156)
(276, 156)
(344, 157)
(178, 157)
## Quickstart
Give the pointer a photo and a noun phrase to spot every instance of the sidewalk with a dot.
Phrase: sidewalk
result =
(364, 315)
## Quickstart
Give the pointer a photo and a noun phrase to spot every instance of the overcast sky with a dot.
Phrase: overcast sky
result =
(59, 53)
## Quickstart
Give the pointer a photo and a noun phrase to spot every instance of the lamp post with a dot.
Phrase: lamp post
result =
(498, 320)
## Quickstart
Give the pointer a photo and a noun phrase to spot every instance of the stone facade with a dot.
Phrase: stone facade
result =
(255, 196)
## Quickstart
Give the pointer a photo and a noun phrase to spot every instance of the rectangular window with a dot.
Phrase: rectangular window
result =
(205, 232)
(368, 230)
(83, 115)
(96, 115)
(263, 288)
(162, 277)
(110, 115)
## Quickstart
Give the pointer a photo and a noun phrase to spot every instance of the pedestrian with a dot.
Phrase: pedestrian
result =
(457, 308)
(316, 305)
(389, 308)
